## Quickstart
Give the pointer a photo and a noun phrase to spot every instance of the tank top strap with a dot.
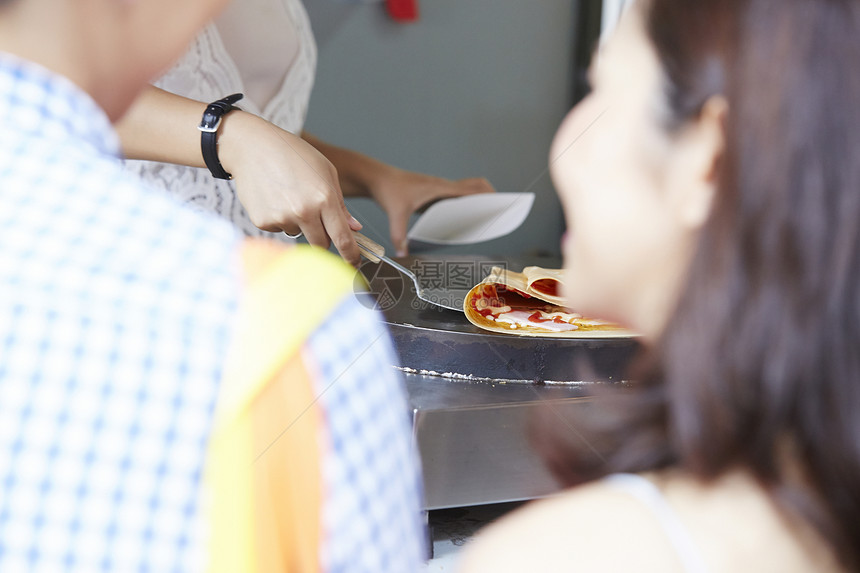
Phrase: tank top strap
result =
(650, 495)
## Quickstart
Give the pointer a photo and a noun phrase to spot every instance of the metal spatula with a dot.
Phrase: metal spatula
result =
(374, 252)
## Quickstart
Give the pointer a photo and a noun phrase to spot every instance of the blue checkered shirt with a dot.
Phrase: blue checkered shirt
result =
(371, 515)
(115, 308)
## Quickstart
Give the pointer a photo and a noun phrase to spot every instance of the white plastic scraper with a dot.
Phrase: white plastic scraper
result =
(472, 219)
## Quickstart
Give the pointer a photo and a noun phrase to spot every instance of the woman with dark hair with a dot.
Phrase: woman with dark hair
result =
(711, 182)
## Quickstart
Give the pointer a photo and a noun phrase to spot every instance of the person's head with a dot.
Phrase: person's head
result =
(636, 187)
(110, 48)
(711, 183)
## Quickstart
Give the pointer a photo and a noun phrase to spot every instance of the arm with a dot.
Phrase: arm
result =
(398, 192)
(283, 182)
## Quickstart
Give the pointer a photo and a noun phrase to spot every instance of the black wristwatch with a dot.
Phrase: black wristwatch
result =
(209, 133)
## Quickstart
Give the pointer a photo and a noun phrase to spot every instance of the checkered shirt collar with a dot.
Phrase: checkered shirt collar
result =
(38, 102)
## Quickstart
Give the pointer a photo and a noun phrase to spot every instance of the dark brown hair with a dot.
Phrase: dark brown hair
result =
(759, 367)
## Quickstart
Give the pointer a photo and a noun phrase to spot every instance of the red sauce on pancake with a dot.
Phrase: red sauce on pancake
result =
(546, 286)
(538, 317)
(503, 288)
(491, 295)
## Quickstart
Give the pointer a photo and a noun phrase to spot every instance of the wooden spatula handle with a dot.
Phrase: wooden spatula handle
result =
(369, 248)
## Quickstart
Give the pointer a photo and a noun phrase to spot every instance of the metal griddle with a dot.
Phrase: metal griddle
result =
(472, 392)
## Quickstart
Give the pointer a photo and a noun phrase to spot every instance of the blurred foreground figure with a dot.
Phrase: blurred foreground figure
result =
(715, 203)
(173, 397)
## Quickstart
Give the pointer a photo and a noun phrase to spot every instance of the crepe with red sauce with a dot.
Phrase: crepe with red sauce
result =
(529, 304)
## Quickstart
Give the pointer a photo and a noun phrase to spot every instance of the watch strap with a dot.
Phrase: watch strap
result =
(208, 127)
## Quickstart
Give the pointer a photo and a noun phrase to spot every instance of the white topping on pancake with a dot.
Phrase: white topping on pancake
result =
(519, 318)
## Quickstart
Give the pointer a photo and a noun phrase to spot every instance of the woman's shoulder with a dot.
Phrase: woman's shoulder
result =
(645, 524)
(732, 517)
(595, 527)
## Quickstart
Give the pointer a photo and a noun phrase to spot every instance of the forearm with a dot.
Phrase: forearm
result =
(162, 126)
(358, 173)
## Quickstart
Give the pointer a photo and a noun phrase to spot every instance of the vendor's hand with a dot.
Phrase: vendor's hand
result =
(285, 184)
(400, 193)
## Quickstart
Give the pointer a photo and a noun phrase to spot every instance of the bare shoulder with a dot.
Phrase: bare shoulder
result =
(731, 518)
(589, 528)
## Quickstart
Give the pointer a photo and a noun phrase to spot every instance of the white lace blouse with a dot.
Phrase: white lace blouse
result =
(209, 71)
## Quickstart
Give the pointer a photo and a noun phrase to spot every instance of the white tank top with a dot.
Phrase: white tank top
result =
(271, 42)
(650, 495)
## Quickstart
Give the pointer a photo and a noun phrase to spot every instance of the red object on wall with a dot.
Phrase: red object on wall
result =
(403, 10)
